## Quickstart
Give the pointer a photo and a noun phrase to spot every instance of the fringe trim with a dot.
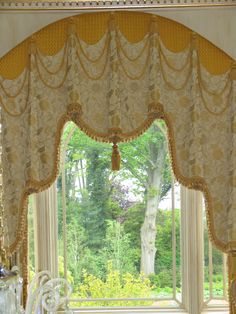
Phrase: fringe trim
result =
(24, 263)
(156, 111)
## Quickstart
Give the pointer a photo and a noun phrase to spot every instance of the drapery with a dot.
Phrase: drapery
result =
(113, 88)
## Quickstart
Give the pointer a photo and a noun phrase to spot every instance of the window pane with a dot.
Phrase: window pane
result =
(215, 272)
(120, 241)
(119, 232)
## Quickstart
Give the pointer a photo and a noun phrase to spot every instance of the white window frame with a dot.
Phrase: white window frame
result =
(46, 230)
(192, 248)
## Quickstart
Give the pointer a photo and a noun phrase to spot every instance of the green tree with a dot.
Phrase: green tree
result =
(119, 249)
(146, 159)
(98, 187)
(95, 194)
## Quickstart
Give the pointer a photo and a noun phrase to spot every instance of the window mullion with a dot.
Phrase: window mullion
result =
(210, 270)
(173, 239)
(46, 230)
(225, 293)
(192, 250)
(64, 224)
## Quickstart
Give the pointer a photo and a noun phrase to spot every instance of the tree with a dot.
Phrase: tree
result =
(144, 165)
(98, 188)
(146, 159)
(118, 248)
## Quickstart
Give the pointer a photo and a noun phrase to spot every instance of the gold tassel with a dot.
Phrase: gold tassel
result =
(115, 158)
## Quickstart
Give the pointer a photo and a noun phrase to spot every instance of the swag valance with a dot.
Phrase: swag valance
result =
(113, 74)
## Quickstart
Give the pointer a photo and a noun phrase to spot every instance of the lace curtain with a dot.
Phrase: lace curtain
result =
(113, 89)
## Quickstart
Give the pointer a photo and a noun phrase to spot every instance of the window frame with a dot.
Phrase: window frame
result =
(192, 248)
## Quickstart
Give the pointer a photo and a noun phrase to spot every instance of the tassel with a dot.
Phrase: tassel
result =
(115, 158)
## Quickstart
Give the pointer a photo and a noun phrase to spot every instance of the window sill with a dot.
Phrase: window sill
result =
(216, 311)
(164, 311)
(147, 310)
(131, 311)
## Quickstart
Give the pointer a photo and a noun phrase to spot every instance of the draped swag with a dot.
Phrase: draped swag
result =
(113, 74)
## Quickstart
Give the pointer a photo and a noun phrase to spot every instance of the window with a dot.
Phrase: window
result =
(128, 239)
(215, 273)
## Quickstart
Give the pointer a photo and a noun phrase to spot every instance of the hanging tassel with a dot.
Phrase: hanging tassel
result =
(115, 158)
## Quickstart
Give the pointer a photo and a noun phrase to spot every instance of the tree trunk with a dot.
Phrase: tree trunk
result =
(148, 229)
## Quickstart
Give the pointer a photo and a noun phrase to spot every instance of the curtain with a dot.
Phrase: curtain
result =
(113, 74)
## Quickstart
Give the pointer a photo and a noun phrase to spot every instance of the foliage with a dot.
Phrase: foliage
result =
(118, 249)
(137, 165)
(61, 270)
(98, 191)
(217, 290)
(105, 211)
(163, 263)
(115, 285)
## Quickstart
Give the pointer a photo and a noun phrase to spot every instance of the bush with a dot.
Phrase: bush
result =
(164, 292)
(165, 278)
(154, 279)
(115, 285)
(162, 283)
(217, 289)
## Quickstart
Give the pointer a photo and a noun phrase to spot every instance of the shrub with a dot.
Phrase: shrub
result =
(115, 285)
(217, 289)
(164, 292)
(154, 279)
(165, 278)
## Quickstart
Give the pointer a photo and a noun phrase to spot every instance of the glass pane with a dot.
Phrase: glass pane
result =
(122, 228)
(215, 272)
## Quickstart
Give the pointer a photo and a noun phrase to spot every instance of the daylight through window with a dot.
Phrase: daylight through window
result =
(122, 239)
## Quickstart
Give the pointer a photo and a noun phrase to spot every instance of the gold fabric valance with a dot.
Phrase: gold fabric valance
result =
(113, 74)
